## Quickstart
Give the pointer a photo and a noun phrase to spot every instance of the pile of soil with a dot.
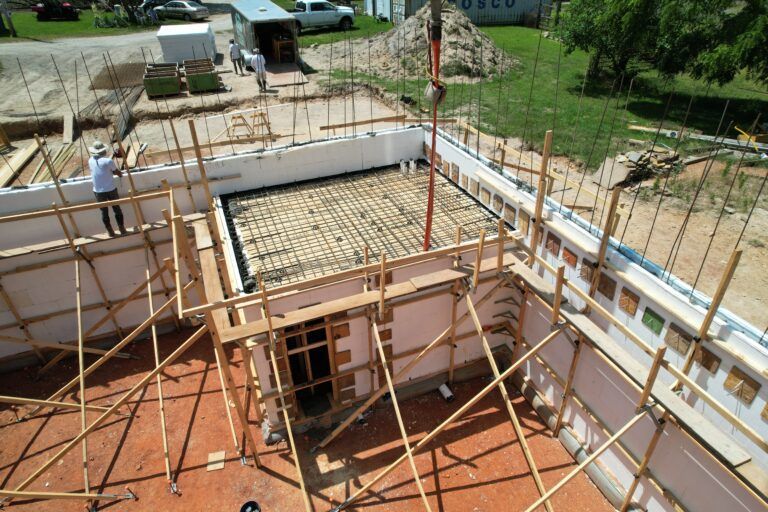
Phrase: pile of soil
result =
(463, 45)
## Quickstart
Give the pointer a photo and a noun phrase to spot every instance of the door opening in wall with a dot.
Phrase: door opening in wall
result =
(309, 365)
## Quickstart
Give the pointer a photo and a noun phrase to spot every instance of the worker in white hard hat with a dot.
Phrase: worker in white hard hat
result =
(103, 171)
(259, 66)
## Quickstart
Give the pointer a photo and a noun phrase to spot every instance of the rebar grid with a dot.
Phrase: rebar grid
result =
(300, 231)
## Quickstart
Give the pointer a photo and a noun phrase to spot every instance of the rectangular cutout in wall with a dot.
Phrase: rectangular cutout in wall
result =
(570, 258)
(343, 357)
(474, 187)
(677, 339)
(389, 315)
(653, 320)
(347, 395)
(553, 244)
(606, 286)
(498, 203)
(346, 381)
(628, 301)
(707, 360)
(464, 180)
(764, 414)
(509, 214)
(455, 173)
(587, 270)
(340, 331)
(741, 385)
(485, 196)
(385, 334)
(525, 221)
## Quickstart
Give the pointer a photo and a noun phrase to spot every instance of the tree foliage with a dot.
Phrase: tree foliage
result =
(710, 39)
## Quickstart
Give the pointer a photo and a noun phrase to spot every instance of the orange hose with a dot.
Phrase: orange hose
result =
(431, 194)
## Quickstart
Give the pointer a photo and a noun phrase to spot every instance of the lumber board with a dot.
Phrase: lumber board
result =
(719, 443)
(359, 300)
(56, 245)
(17, 162)
(69, 129)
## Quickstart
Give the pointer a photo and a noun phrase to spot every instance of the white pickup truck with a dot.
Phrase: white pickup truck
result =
(319, 13)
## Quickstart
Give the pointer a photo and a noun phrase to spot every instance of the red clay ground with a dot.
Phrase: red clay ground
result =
(475, 465)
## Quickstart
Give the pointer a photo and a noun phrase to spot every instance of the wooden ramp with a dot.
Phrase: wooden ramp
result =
(281, 75)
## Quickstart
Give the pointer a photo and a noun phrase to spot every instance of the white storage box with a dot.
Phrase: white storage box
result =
(193, 41)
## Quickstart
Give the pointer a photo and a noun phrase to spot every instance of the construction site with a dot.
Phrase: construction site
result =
(330, 296)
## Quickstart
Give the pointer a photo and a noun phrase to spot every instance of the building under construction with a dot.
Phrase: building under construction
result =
(386, 318)
(529, 359)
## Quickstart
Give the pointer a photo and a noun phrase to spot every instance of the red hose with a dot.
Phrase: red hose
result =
(431, 194)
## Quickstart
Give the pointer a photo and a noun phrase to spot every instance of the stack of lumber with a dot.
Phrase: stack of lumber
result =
(12, 167)
(59, 159)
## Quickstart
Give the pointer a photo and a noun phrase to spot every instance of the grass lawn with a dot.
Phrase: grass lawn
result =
(647, 101)
(28, 28)
(363, 27)
(503, 100)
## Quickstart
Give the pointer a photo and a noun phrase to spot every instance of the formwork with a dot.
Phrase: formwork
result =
(511, 288)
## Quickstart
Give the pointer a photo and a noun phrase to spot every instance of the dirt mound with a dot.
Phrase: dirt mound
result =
(463, 45)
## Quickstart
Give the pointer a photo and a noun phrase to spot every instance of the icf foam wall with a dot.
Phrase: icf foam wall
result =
(414, 325)
(49, 287)
(733, 347)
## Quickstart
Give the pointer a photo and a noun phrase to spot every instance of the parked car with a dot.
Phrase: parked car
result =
(55, 10)
(184, 9)
(319, 13)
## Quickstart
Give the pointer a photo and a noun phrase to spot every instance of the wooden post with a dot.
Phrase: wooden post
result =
(148, 242)
(81, 367)
(644, 463)
(201, 166)
(505, 396)
(500, 254)
(109, 412)
(382, 283)
(717, 299)
(478, 259)
(453, 417)
(454, 307)
(183, 165)
(611, 440)
(403, 372)
(541, 192)
(568, 388)
(159, 378)
(366, 287)
(607, 229)
(654, 371)
(558, 295)
(520, 323)
(209, 290)
(403, 433)
(276, 372)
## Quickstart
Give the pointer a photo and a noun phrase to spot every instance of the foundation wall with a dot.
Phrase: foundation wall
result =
(413, 325)
(734, 349)
(49, 287)
(686, 470)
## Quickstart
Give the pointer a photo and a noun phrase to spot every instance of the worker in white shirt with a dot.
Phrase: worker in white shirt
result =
(103, 171)
(236, 55)
(259, 66)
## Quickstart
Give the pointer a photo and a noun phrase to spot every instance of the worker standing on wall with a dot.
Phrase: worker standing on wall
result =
(103, 171)
(259, 65)
(236, 55)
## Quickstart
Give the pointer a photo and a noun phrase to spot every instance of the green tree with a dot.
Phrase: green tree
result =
(710, 39)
